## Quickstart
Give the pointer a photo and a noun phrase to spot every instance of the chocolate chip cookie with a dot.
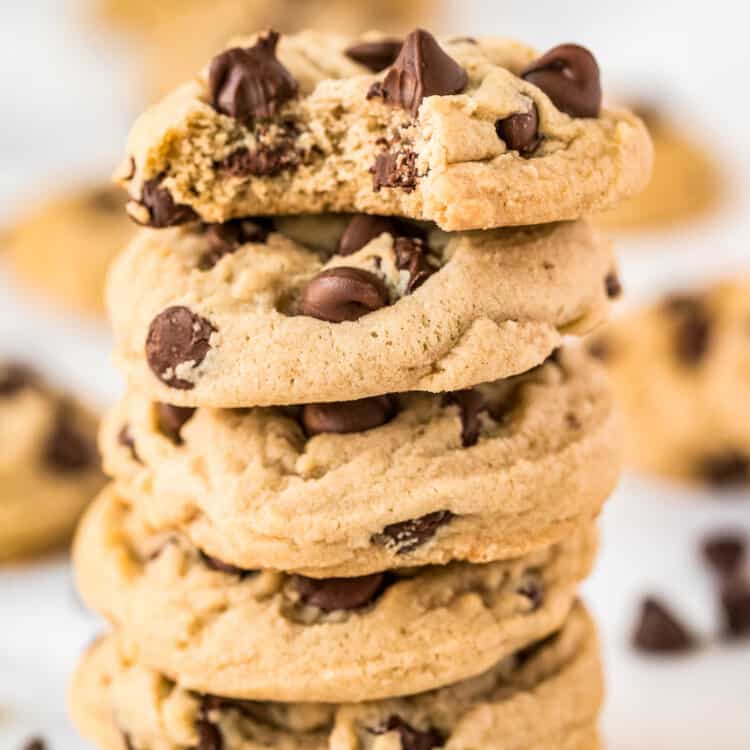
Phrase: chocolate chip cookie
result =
(49, 467)
(402, 480)
(470, 134)
(304, 310)
(546, 696)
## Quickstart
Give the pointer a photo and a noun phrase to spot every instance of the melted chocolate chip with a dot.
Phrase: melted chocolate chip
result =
(375, 56)
(265, 160)
(471, 404)
(569, 75)
(411, 256)
(343, 294)
(411, 738)
(125, 438)
(332, 594)
(735, 605)
(171, 419)
(726, 470)
(362, 229)
(659, 631)
(725, 553)
(520, 131)
(163, 211)
(395, 170)
(223, 567)
(177, 336)
(346, 417)
(15, 378)
(612, 285)
(67, 450)
(209, 736)
(225, 239)
(421, 69)
(250, 83)
(406, 536)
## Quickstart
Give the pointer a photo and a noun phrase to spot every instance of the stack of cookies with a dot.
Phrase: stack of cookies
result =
(355, 475)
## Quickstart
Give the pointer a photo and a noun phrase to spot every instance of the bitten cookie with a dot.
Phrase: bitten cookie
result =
(681, 369)
(64, 247)
(324, 309)
(546, 697)
(274, 636)
(49, 468)
(470, 134)
(354, 488)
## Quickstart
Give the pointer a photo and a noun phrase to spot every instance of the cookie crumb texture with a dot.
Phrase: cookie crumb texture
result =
(495, 472)
(348, 140)
(305, 310)
(49, 466)
(680, 369)
(547, 697)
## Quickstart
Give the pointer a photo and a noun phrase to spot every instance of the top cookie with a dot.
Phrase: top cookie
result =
(470, 134)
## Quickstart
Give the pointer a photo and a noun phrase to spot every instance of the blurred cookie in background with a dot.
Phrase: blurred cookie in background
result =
(49, 465)
(681, 369)
(62, 248)
(686, 185)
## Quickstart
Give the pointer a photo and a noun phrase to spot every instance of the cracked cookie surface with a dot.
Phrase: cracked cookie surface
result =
(281, 488)
(331, 142)
(253, 313)
(546, 697)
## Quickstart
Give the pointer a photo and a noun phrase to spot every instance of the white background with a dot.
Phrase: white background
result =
(67, 95)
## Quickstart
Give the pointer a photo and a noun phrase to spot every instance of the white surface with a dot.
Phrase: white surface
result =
(66, 110)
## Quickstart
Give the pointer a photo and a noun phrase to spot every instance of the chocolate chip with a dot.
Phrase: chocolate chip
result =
(569, 75)
(532, 590)
(600, 348)
(223, 567)
(250, 83)
(612, 285)
(406, 536)
(659, 631)
(411, 738)
(163, 211)
(362, 229)
(125, 438)
(171, 419)
(347, 417)
(66, 450)
(520, 131)
(375, 56)
(726, 470)
(225, 239)
(735, 604)
(471, 404)
(411, 256)
(177, 336)
(108, 200)
(395, 170)
(36, 743)
(209, 736)
(332, 594)
(421, 69)
(15, 378)
(343, 294)
(127, 741)
(263, 161)
(725, 553)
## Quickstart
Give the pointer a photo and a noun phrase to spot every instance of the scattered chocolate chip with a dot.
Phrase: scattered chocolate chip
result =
(612, 285)
(346, 417)
(343, 294)
(411, 256)
(421, 69)
(569, 75)
(363, 228)
(735, 604)
(177, 336)
(66, 450)
(520, 131)
(725, 553)
(726, 470)
(108, 200)
(225, 239)
(600, 348)
(532, 589)
(163, 211)
(375, 56)
(171, 419)
(331, 594)
(471, 404)
(659, 631)
(125, 438)
(694, 327)
(406, 536)
(263, 161)
(14, 378)
(395, 170)
(209, 736)
(36, 743)
(250, 83)
(411, 738)
(224, 567)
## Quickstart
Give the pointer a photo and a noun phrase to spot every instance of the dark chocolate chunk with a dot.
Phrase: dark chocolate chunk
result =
(406, 536)
(66, 449)
(411, 738)
(265, 160)
(225, 239)
(659, 631)
(346, 417)
(395, 170)
(421, 69)
(177, 336)
(224, 567)
(520, 131)
(250, 83)
(171, 419)
(612, 285)
(209, 736)
(332, 594)
(375, 56)
(471, 404)
(363, 228)
(411, 256)
(693, 327)
(163, 211)
(725, 552)
(343, 294)
(725, 470)
(569, 75)
(735, 604)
